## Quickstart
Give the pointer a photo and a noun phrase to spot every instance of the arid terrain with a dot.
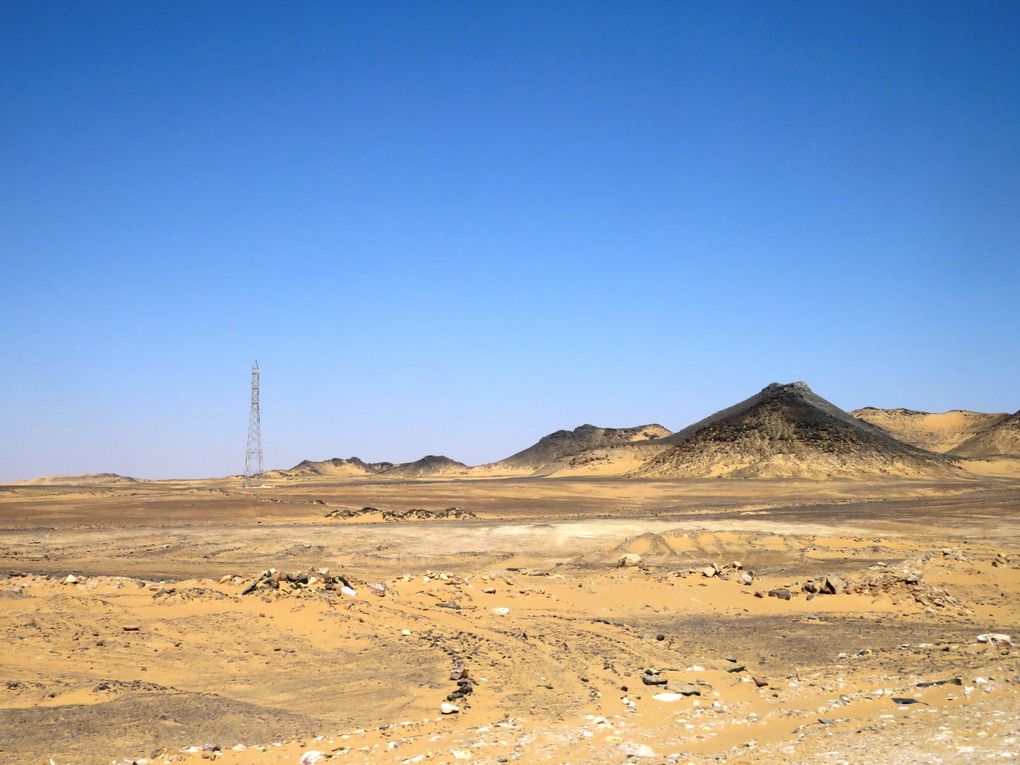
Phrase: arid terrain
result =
(782, 581)
(751, 621)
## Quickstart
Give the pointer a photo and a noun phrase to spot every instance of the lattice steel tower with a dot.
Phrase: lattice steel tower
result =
(253, 477)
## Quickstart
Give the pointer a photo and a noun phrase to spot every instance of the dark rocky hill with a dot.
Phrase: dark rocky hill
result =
(787, 431)
(568, 443)
(429, 465)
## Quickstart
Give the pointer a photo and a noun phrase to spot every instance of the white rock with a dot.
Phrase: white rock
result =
(350, 592)
(668, 696)
(631, 749)
(405, 633)
(71, 579)
(311, 757)
(629, 559)
(995, 638)
(501, 611)
(447, 708)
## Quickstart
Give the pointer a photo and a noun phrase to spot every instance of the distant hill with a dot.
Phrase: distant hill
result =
(787, 431)
(89, 479)
(430, 465)
(937, 432)
(336, 467)
(1000, 438)
(554, 449)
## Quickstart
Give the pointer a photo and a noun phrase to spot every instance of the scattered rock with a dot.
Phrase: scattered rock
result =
(709, 570)
(283, 583)
(747, 577)
(995, 638)
(311, 757)
(833, 585)
(414, 514)
(933, 683)
(631, 749)
(688, 690)
(780, 592)
(447, 708)
(653, 677)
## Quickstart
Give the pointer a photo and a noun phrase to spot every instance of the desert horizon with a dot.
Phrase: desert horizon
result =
(779, 581)
(977, 436)
(509, 383)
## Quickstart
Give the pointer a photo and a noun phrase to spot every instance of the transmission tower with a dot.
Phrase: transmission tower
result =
(253, 477)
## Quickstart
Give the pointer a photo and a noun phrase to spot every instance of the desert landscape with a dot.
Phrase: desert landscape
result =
(782, 581)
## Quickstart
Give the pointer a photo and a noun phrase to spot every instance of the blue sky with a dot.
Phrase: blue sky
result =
(454, 227)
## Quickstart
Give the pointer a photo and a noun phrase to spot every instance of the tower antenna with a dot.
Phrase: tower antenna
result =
(253, 477)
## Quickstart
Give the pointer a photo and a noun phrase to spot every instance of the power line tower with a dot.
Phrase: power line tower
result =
(253, 478)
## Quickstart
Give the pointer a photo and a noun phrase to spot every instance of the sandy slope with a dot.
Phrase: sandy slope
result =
(1001, 438)
(937, 432)
(90, 479)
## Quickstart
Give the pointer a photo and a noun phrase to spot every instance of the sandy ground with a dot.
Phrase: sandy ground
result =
(153, 652)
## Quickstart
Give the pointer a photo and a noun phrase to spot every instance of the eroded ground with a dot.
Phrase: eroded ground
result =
(153, 652)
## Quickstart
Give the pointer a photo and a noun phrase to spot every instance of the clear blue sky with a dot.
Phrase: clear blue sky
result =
(454, 227)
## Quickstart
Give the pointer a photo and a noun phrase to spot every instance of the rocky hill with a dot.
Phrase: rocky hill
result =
(336, 467)
(430, 465)
(554, 449)
(935, 431)
(1000, 438)
(787, 431)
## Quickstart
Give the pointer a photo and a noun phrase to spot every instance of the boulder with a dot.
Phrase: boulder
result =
(833, 585)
